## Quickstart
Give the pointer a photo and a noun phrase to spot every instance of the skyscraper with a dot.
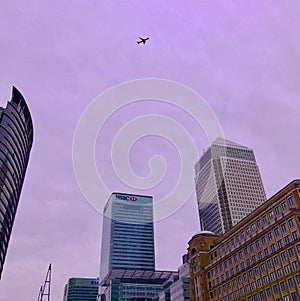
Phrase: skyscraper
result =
(128, 239)
(228, 185)
(16, 136)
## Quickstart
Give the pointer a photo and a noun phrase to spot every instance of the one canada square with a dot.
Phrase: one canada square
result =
(16, 136)
(228, 185)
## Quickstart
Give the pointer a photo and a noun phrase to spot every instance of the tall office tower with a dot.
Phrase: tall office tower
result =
(228, 185)
(81, 289)
(16, 136)
(128, 239)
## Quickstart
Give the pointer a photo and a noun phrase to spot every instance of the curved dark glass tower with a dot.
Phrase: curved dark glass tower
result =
(16, 136)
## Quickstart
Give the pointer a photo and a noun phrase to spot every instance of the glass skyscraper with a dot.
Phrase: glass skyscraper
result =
(228, 185)
(16, 136)
(128, 238)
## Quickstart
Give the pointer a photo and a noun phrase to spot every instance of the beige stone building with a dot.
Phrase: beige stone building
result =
(257, 260)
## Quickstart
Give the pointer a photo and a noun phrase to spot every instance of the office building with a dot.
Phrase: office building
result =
(128, 239)
(81, 289)
(258, 259)
(16, 136)
(180, 290)
(228, 185)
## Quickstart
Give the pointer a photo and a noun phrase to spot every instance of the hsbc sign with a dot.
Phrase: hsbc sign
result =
(126, 198)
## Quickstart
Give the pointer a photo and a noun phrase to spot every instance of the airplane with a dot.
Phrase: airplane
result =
(142, 40)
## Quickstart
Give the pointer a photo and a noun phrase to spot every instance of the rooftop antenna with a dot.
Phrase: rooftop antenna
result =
(45, 289)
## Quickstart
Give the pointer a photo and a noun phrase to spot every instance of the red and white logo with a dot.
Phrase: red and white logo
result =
(133, 198)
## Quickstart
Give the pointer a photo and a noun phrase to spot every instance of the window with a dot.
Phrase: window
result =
(279, 244)
(298, 279)
(247, 262)
(283, 256)
(257, 244)
(287, 239)
(291, 252)
(266, 280)
(242, 291)
(253, 259)
(279, 273)
(269, 264)
(271, 215)
(273, 249)
(283, 206)
(240, 255)
(283, 228)
(258, 224)
(262, 295)
(282, 286)
(251, 274)
(256, 271)
(290, 282)
(266, 251)
(294, 296)
(294, 265)
(263, 240)
(291, 223)
(263, 267)
(268, 292)
(287, 269)
(272, 276)
(242, 265)
(291, 200)
(298, 248)
(286, 298)
(276, 260)
(246, 251)
(276, 231)
(245, 277)
(264, 219)
(275, 289)
(259, 255)
(277, 210)
(295, 235)
(247, 288)
(253, 286)
(270, 236)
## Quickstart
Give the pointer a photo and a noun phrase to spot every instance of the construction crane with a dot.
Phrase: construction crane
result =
(45, 289)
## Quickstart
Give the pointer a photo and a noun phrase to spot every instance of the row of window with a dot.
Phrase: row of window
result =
(281, 287)
(234, 242)
(277, 261)
(259, 246)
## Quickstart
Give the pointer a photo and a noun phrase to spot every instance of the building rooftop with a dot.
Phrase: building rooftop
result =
(138, 274)
(226, 142)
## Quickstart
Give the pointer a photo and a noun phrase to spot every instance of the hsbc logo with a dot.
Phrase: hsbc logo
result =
(126, 198)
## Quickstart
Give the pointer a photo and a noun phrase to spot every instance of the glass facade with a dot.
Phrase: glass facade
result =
(127, 240)
(16, 137)
(81, 289)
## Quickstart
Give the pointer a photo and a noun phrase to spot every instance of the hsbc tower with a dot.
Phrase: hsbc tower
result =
(127, 237)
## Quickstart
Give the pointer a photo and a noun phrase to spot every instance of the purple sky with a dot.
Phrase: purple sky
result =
(242, 57)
